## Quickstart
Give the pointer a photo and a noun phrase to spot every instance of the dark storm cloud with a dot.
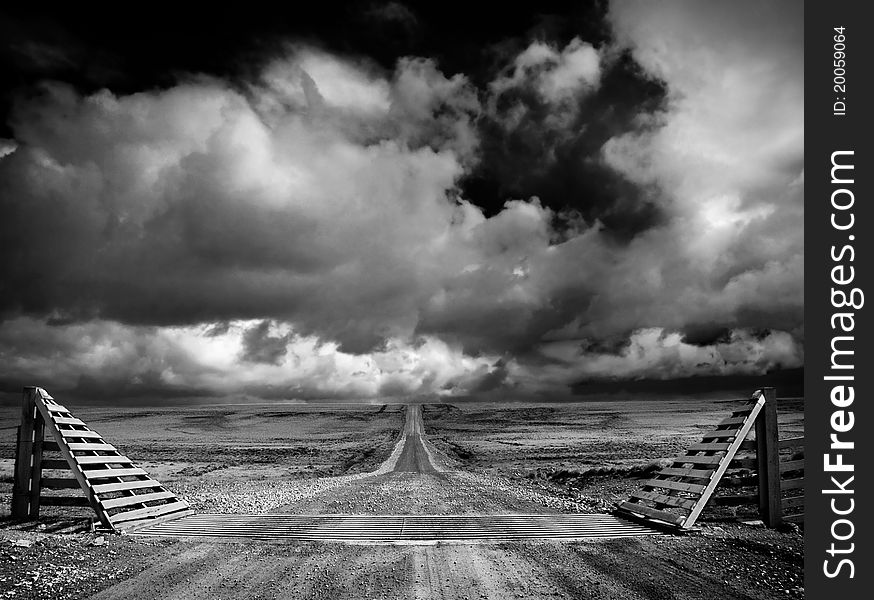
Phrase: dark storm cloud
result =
(539, 141)
(260, 346)
(330, 224)
(704, 335)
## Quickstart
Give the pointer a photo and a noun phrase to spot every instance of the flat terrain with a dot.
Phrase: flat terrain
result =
(435, 459)
(591, 454)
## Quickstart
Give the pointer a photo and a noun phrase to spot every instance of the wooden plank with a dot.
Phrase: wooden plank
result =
(718, 434)
(134, 525)
(67, 421)
(726, 461)
(674, 501)
(137, 499)
(796, 518)
(792, 484)
(733, 421)
(735, 499)
(102, 460)
(77, 433)
(104, 473)
(687, 472)
(792, 502)
(56, 464)
(149, 511)
(791, 465)
(122, 486)
(709, 446)
(64, 501)
(698, 460)
(59, 483)
(680, 486)
(652, 513)
(80, 447)
(796, 442)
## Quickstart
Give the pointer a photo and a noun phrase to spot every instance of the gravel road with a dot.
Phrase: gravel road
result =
(731, 561)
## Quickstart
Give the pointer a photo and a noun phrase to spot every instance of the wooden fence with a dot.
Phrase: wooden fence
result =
(767, 471)
(60, 461)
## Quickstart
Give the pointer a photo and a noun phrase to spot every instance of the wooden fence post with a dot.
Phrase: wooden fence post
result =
(21, 489)
(768, 455)
(39, 429)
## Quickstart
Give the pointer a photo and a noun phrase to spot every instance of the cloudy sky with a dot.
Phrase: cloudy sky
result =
(381, 199)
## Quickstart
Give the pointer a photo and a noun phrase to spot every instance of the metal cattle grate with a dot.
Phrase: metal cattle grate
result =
(398, 528)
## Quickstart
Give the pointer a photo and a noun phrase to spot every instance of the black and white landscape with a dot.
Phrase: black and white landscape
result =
(512, 216)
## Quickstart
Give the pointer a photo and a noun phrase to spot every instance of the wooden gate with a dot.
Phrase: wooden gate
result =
(676, 496)
(77, 457)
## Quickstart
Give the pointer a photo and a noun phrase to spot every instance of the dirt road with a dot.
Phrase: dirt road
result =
(414, 458)
(417, 480)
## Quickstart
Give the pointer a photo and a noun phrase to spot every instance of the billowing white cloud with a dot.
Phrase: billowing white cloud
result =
(556, 74)
(241, 358)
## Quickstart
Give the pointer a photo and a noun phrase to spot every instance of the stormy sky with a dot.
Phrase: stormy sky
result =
(372, 199)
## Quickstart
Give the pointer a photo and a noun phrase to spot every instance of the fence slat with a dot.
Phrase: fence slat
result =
(796, 442)
(689, 473)
(792, 502)
(653, 513)
(791, 465)
(792, 484)
(680, 486)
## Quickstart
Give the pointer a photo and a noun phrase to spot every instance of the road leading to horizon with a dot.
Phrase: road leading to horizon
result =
(412, 496)
(416, 499)
(417, 479)
(414, 458)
